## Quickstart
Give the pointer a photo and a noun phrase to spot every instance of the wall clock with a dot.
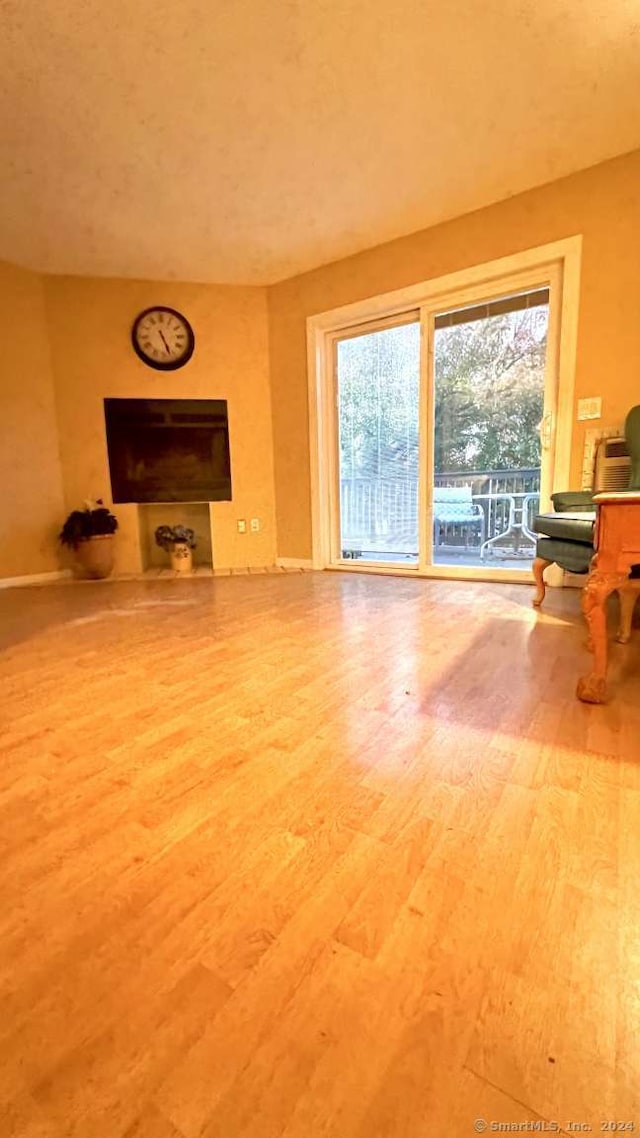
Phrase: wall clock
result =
(163, 338)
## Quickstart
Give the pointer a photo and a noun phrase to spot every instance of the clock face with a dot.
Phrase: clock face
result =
(163, 338)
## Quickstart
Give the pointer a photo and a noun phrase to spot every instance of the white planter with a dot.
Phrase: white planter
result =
(181, 558)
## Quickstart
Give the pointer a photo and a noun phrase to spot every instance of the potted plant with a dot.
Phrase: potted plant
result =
(178, 541)
(89, 533)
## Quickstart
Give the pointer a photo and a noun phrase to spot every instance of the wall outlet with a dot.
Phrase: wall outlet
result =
(590, 408)
(242, 525)
(255, 525)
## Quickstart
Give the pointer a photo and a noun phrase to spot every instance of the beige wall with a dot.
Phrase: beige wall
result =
(31, 504)
(257, 361)
(603, 204)
(90, 322)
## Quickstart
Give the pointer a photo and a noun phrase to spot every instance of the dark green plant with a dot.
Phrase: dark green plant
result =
(168, 536)
(93, 521)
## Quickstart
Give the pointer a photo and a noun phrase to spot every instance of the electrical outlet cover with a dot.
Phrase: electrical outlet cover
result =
(255, 525)
(590, 408)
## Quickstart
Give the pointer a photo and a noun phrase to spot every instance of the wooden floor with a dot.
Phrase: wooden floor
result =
(313, 854)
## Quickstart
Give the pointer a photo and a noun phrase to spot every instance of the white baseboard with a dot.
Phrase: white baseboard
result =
(294, 562)
(34, 579)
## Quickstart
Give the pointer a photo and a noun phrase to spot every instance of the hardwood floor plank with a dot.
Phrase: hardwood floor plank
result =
(152, 1124)
(206, 1073)
(369, 921)
(86, 1093)
(301, 854)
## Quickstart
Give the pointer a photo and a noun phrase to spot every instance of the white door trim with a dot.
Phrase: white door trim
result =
(562, 258)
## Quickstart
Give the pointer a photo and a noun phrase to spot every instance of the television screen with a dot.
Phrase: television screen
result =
(168, 450)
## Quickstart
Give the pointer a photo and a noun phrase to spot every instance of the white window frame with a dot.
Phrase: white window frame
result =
(558, 265)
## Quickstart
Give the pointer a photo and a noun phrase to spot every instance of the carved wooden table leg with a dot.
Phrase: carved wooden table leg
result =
(628, 594)
(617, 544)
(593, 688)
(538, 567)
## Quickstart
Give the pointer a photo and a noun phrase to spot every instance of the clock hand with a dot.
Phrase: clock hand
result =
(165, 343)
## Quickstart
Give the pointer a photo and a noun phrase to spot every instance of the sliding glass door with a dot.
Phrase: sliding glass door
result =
(378, 398)
(489, 409)
(442, 423)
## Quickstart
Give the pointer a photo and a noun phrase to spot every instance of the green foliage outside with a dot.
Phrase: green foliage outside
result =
(489, 377)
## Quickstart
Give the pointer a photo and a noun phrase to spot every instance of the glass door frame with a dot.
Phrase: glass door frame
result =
(555, 266)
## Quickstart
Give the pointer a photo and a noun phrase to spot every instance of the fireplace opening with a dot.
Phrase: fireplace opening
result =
(168, 450)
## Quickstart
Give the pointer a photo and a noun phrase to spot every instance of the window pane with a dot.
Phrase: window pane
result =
(489, 400)
(378, 377)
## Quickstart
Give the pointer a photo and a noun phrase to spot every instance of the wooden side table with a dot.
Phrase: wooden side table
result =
(617, 545)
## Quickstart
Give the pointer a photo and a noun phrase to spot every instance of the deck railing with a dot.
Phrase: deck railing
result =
(383, 513)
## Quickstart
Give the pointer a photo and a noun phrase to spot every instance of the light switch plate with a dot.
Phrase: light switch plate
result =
(590, 408)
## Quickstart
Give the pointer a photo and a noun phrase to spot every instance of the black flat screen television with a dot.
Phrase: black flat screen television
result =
(168, 450)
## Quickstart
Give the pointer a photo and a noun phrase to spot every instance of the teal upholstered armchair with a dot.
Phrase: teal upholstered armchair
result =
(632, 435)
(566, 536)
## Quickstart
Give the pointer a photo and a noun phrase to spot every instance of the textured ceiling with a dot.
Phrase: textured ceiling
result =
(247, 140)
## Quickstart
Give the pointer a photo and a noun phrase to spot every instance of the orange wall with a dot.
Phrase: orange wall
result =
(31, 504)
(602, 204)
(73, 346)
(89, 326)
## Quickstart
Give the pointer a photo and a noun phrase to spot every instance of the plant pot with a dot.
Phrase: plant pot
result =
(94, 557)
(181, 559)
